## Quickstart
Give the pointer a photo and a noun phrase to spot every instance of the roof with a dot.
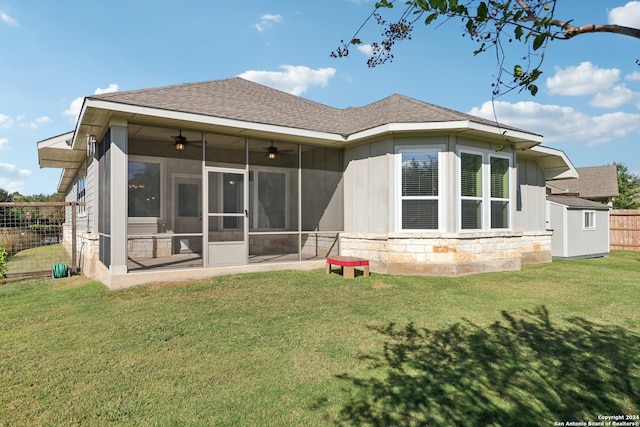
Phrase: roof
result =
(240, 99)
(237, 106)
(577, 202)
(599, 182)
(554, 162)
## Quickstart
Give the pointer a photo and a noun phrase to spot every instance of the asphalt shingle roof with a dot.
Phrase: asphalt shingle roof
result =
(240, 99)
(577, 202)
(592, 183)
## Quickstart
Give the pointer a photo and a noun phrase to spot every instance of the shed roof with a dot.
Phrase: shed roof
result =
(573, 202)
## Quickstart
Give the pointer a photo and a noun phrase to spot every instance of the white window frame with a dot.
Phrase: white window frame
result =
(486, 198)
(81, 196)
(483, 198)
(162, 163)
(585, 222)
(509, 199)
(427, 148)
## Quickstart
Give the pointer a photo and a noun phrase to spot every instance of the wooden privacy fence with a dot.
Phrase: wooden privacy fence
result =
(33, 235)
(625, 229)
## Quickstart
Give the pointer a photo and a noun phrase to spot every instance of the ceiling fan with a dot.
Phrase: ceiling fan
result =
(181, 142)
(273, 151)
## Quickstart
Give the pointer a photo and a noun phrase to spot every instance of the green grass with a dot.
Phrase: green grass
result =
(555, 342)
(42, 258)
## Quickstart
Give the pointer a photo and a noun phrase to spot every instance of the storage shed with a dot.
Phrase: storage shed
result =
(580, 227)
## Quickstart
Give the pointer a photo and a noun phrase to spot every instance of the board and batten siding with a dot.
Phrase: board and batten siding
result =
(530, 197)
(368, 188)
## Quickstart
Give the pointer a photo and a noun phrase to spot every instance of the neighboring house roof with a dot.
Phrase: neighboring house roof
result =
(240, 99)
(595, 183)
(573, 202)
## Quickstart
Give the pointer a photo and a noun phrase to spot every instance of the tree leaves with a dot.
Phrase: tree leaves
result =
(539, 40)
(489, 23)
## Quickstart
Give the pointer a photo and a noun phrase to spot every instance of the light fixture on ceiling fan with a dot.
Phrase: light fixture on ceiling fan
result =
(181, 142)
(272, 152)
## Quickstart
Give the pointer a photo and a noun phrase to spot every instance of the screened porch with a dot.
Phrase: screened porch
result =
(209, 200)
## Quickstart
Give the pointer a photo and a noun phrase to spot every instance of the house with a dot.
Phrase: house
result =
(578, 212)
(597, 183)
(194, 180)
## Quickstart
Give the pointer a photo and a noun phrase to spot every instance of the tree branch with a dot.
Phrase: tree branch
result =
(571, 31)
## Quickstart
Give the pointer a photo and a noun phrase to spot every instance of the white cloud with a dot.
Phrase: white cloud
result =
(3, 143)
(561, 124)
(11, 168)
(294, 79)
(635, 76)
(585, 79)
(76, 104)
(627, 15)
(11, 185)
(615, 97)
(109, 89)
(74, 108)
(6, 121)
(366, 49)
(34, 124)
(267, 21)
(4, 17)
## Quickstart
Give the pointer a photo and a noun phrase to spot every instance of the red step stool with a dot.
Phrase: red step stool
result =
(348, 264)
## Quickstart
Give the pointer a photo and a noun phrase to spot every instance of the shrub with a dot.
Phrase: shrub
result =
(4, 255)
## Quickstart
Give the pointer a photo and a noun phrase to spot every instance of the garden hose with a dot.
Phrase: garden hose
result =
(59, 270)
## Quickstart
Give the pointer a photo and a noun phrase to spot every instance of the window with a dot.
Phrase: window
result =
(144, 189)
(81, 193)
(471, 191)
(589, 220)
(485, 191)
(499, 175)
(419, 189)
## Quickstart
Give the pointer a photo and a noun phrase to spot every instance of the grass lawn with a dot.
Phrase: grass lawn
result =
(555, 342)
(42, 258)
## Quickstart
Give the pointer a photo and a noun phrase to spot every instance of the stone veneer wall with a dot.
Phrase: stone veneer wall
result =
(536, 247)
(87, 246)
(149, 247)
(447, 254)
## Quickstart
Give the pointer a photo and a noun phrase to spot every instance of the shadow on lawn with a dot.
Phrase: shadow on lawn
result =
(519, 371)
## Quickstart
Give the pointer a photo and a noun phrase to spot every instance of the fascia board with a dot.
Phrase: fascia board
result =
(443, 126)
(57, 142)
(508, 133)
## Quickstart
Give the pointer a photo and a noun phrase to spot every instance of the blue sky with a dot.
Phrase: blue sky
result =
(54, 53)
